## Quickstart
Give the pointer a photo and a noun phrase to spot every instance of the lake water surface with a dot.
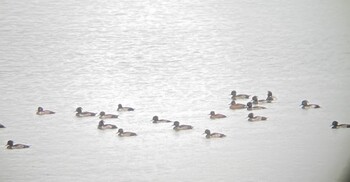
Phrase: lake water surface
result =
(178, 60)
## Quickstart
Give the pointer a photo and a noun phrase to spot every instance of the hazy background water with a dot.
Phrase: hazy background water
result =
(178, 60)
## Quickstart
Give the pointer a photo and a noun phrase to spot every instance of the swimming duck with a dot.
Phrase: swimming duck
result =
(41, 111)
(270, 98)
(103, 115)
(2, 126)
(80, 113)
(305, 105)
(256, 101)
(256, 118)
(239, 96)
(251, 107)
(103, 126)
(10, 145)
(335, 125)
(234, 105)
(121, 108)
(155, 119)
(216, 116)
(178, 127)
(213, 135)
(121, 133)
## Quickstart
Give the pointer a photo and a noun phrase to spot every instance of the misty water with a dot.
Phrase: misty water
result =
(178, 60)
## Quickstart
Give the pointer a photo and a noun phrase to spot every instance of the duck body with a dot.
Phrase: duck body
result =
(121, 133)
(41, 111)
(2, 126)
(238, 96)
(305, 105)
(10, 145)
(155, 119)
(250, 107)
(213, 135)
(103, 115)
(235, 105)
(216, 116)
(121, 108)
(103, 126)
(251, 117)
(335, 125)
(80, 113)
(178, 127)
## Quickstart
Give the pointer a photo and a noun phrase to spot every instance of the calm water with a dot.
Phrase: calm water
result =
(178, 60)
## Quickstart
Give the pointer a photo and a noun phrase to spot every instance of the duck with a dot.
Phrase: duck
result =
(256, 118)
(155, 119)
(216, 116)
(121, 133)
(335, 125)
(41, 111)
(103, 115)
(2, 126)
(251, 107)
(255, 100)
(305, 105)
(213, 135)
(270, 98)
(80, 113)
(239, 96)
(10, 145)
(103, 126)
(234, 105)
(121, 108)
(178, 127)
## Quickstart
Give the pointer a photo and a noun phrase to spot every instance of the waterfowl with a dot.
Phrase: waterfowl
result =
(216, 116)
(178, 127)
(239, 96)
(213, 135)
(103, 126)
(155, 119)
(121, 108)
(80, 113)
(41, 111)
(335, 125)
(2, 126)
(255, 100)
(305, 105)
(234, 105)
(256, 118)
(10, 145)
(121, 133)
(103, 115)
(251, 107)
(270, 97)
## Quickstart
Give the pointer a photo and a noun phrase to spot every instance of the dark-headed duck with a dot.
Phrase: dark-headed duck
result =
(251, 107)
(335, 125)
(155, 119)
(239, 96)
(103, 115)
(10, 145)
(103, 126)
(216, 116)
(305, 105)
(123, 133)
(41, 111)
(213, 135)
(178, 127)
(121, 108)
(251, 117)
(80, 113)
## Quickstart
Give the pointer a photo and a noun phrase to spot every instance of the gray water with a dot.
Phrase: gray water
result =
(178, 60)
